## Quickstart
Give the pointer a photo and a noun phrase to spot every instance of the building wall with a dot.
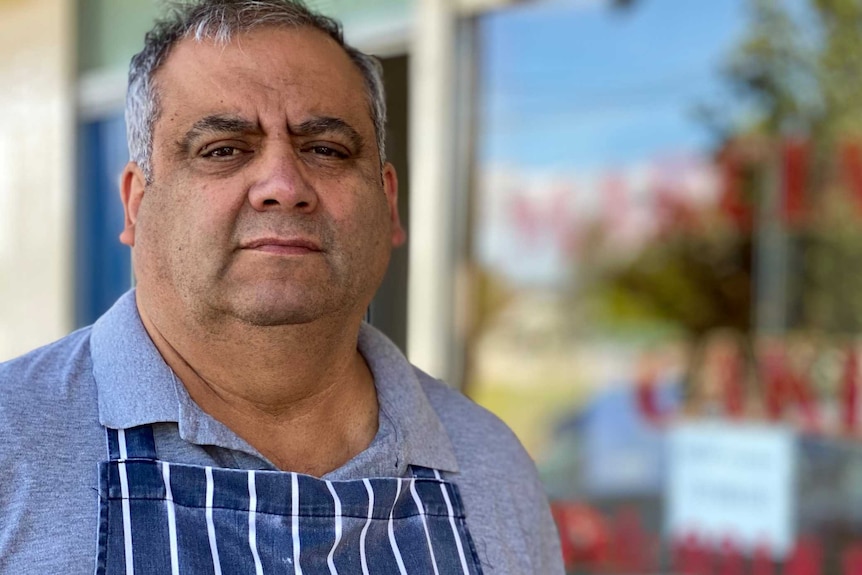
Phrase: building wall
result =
(36, 118)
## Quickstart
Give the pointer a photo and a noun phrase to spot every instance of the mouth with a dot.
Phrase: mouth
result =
(283, 246)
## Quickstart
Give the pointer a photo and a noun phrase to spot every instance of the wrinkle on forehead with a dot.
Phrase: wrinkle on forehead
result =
(269, 64)
(233, 124)
(295, 74)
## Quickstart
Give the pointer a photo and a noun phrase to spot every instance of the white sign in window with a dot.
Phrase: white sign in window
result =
(732, 482)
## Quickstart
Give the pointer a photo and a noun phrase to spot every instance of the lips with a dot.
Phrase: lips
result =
(283, 245)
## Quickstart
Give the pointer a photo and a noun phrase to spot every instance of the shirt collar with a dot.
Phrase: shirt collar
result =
(136, 387)
(420, 433)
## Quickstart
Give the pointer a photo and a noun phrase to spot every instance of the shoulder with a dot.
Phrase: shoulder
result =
(479, 437)
(507, 508)
(49, 381)
(51, 443)
(46, 366)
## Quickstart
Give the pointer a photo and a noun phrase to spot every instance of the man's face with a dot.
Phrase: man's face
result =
(267, 202)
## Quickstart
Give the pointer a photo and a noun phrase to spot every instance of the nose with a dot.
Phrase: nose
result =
(281, 184)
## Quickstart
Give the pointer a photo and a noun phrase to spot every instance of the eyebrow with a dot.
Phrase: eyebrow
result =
(217, 124)
(321, 125)
(317, 126)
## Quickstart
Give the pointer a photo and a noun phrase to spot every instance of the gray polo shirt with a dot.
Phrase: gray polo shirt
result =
(55, 402)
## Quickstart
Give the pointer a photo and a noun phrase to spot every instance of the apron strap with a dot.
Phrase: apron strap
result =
(132, 443)
(419, 472)
(451, 494)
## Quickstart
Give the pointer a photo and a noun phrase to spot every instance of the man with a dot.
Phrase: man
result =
(233, 414)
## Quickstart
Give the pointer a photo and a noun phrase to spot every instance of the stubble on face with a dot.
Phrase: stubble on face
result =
(215, 284)
(191, 227)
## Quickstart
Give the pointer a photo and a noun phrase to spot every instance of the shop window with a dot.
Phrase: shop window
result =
(666, 276)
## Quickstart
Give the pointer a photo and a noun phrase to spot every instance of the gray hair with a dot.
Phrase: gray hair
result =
(218, 20)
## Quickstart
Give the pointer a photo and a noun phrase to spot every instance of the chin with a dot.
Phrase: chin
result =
(265, 318)
(267, 310)
(273, 315)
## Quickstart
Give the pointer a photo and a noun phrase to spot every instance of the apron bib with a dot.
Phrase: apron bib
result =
(165, 518)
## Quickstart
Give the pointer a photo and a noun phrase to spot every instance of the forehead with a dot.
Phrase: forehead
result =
(272, 70)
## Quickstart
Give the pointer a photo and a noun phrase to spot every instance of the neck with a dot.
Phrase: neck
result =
(302, 395)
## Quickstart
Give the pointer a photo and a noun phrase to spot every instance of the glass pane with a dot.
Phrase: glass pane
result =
(668, 261)
(110, 32)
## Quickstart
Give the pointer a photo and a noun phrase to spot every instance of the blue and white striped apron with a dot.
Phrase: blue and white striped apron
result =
(165, 518)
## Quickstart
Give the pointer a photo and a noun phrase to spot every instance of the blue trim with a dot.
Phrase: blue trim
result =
(102, 264)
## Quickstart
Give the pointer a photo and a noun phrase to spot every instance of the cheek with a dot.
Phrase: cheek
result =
(166, 220)
(198, 215)
(174, 227)
(364, 222)
(371, 243)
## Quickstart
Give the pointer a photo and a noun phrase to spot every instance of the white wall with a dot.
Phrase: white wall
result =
(36, 172)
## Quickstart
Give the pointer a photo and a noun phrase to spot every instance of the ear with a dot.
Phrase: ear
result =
(390, 188)
(132, 186)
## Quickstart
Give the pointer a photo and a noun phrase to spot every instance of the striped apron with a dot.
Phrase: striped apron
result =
(165, 518)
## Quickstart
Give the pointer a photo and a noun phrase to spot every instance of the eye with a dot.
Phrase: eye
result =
(327, 150)
(222, 152)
